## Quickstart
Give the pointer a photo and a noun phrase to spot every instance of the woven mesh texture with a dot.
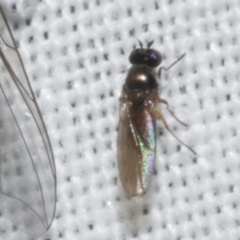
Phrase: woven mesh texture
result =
(76, 56)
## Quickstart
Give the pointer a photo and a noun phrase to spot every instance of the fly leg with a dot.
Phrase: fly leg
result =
(167, 68)
(160, 100)
(161, 117)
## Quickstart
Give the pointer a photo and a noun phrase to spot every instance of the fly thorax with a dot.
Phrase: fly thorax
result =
(140, 82)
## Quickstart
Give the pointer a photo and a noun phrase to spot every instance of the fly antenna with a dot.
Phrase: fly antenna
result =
(149, 44)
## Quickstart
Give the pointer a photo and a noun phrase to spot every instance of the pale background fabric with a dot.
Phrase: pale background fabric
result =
(76, 56)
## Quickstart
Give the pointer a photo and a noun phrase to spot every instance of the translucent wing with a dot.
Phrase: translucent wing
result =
(27, 168)
(136, 146)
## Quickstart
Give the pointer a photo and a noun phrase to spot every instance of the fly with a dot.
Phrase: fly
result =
(138, 115)
(27, 167)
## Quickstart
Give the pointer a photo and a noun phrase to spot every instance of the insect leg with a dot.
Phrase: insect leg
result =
(161, 117)
(160, 100)
(167, 68)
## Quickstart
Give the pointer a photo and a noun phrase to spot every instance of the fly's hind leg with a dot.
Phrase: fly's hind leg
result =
(160, 116)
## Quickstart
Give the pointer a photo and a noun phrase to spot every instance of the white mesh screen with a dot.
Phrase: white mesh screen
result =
(76, 56)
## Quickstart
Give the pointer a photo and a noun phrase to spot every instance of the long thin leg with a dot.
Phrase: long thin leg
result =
(167, 68)
(160, 100)
(161, 117)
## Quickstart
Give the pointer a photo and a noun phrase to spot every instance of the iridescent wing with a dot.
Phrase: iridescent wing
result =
(136, 145)
(27, 168)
